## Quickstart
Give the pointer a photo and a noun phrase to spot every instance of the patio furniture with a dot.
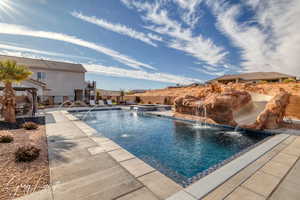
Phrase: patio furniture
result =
(130, 103)
(92, 102)
(101, 103)
(109, 102)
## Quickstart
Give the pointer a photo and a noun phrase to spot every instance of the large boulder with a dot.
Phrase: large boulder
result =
(216, 106)
(272, 116)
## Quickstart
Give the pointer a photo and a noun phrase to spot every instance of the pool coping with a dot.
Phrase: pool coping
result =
(208, 182)
(101, 140)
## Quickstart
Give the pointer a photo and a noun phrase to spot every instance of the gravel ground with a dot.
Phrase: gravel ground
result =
(18, 179)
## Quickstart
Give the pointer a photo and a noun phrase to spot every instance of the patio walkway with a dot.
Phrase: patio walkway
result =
(85, 167)
(274, 176)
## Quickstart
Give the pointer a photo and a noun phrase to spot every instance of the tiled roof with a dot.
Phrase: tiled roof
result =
(45, 64)
(255, 76)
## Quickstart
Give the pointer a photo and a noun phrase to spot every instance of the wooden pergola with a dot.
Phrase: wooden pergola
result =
(32, 91)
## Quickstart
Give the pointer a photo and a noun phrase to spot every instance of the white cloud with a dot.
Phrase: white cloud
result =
(273, 43)
(119, 28)
(190, 6)
(32, 55)
(22, 30)
(206, 69)
(19, 50)
(138, 74)
(183, 39)
(101, 69)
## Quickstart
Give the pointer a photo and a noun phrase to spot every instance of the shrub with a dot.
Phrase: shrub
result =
(27, 153)
(295, 87)
(30, 125)
(262, 81)
(138, 99)
(289, 80)
(6, 139)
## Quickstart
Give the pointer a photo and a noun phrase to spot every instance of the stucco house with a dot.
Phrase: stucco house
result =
(55, 81)
(253, 77)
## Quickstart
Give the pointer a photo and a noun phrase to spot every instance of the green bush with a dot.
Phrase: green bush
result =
(289, 80)
(138, 99)
(30, 126)
(263, 81)
(6, 139)
(27, 153)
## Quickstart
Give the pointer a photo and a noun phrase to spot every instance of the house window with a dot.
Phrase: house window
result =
(41, 76)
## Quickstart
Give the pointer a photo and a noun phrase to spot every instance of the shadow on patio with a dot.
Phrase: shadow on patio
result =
(60, 149)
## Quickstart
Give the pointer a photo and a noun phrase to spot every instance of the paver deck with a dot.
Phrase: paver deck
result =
(274, 176)
(85, 166)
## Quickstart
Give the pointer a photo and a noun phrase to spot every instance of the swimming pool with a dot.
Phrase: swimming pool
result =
(178, 149)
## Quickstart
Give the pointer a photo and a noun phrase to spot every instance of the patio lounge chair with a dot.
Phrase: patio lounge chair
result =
(109, 102)
(92, 102)
(101, 103)
(130, 103)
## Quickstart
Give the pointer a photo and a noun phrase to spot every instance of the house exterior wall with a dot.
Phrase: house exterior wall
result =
(61, 83)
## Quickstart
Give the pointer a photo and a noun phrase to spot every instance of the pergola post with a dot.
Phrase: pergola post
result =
(34, 102)
(33, 92)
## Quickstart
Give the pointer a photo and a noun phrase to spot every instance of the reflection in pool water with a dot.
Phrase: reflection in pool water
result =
(175, 148)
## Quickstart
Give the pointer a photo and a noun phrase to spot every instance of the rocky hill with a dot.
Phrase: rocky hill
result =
(262, 88)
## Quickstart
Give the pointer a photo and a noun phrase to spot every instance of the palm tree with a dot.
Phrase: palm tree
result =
(11, 73)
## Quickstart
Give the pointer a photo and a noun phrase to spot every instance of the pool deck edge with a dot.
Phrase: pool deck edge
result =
(161, 185)
(208, 183)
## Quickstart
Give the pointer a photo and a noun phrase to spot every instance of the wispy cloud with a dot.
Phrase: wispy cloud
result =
(33, 56)
(271, 42)
(208, 70)
(25, 31)
(18, 50)
(119, 28)
(102, 69)
(138, 74)
(183, 39)
(189, 16)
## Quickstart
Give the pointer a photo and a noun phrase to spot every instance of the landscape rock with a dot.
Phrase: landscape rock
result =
(218, 106)
(272, 116)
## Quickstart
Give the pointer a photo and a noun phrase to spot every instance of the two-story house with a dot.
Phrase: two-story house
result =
(56, 81)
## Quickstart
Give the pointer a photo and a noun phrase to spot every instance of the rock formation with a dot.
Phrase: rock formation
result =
(218, 105)
(273, 114)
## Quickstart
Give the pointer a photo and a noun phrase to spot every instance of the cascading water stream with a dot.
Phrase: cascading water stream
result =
(205, 116)
(88, 112)
(63, 103)
(236, 128)
(198, 124)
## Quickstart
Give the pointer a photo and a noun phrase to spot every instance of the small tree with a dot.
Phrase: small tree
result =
(11, 73)
(98, 95)
(289, 80)
(122, 94)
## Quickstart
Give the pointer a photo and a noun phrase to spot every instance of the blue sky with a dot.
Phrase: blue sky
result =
(134, 44)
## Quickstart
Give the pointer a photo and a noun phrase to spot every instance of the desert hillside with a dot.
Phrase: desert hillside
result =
(262, 88)
(292, 110)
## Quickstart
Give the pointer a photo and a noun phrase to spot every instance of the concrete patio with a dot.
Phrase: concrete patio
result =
(85, 166)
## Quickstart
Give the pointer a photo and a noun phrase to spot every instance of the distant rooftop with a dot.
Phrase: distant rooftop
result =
(45, 64)
(254, 76)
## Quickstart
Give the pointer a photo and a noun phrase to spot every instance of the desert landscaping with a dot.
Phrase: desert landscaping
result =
(223, 101)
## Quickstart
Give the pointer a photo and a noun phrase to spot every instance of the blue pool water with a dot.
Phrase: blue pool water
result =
(176, 148)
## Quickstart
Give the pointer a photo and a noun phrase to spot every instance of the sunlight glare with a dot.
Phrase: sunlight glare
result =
(6, 8)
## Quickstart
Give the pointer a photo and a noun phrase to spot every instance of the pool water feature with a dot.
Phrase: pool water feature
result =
(175, 148)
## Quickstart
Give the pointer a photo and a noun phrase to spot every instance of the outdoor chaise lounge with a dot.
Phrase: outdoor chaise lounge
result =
(101, 103)
(92, 102)
(130, 103)
(109, 102)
